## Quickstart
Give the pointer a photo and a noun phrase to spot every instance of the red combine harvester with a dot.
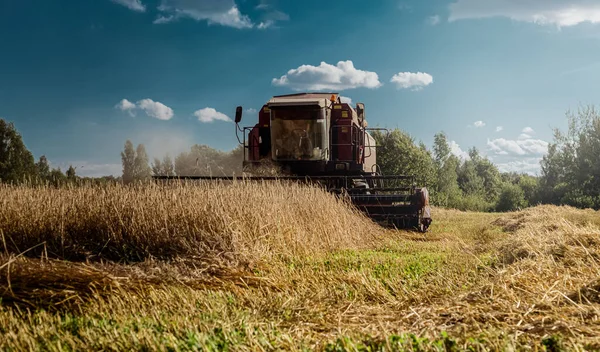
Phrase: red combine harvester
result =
(316, 137)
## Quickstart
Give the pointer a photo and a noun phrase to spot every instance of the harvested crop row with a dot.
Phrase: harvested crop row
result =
(541, 280)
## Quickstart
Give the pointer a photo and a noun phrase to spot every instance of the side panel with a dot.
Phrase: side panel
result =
(264, 117)
(253, 144)
(259, 138)
(343, 142)
(370, 153)
(264, 122)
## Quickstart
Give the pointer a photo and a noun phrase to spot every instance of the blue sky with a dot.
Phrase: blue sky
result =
(79, 77)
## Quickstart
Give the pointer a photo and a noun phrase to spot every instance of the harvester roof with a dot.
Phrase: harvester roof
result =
(320, 99)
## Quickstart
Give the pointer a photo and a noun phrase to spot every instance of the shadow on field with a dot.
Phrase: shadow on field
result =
(56, 285)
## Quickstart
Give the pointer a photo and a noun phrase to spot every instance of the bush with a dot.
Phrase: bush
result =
(471, 202)
(578, 198)
(511, 198)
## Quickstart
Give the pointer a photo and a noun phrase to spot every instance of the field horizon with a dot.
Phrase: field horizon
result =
(275, 266)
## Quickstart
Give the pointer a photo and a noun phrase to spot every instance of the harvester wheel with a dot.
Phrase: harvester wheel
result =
(422, 226)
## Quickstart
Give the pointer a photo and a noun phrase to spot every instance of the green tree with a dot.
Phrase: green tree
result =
(164, 167)
(203, 160)
(16, 162)
(128, 160)
(71, 173)
(469, 180)
(490, 175)
(447, 192)
(157, 168)
(571, 168)
(167, 167)
(511, 198)
(530, 187)
(441, 149)
(43, 168)
(183, 165)
(474, 155)
(397, 154)
(142, 170)
(57, 178)
(232, 162)
(479, 177)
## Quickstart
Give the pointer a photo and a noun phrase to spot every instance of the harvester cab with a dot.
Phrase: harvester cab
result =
(318, 137)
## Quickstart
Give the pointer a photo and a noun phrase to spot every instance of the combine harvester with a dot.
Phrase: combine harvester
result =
(315, 137)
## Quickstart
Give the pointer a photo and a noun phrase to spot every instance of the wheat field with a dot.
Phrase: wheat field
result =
(278, 266)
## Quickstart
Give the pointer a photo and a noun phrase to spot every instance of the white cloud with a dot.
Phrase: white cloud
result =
(522, 155)
(346, 100)
(210, 115)
(263, 5)
(270, 18)
(325, 76)
(456, 150)
(524, 136)
(499, 128)
(265, 25)
(135, 5)
(164, 19)
(526, 146)
(151, 108)
(232, 18)
(528, 130)
(479, 124)
(155, 109)
(221, 12)
(534, 146)
(251, 111)
(503, 146)
(126, 106)
(433, 20)
(529, 166)
(561, 13)
(410, 80)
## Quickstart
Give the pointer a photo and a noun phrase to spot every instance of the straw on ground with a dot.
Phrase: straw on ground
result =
(280, 266)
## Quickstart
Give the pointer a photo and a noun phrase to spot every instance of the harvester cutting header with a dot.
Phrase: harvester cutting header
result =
(316, 137)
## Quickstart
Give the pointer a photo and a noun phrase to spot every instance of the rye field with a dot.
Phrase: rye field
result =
(275, 266)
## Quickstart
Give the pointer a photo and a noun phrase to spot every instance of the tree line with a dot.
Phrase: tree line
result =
(473, 183)
(17, 164)
(570, 171)
(200, 160)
